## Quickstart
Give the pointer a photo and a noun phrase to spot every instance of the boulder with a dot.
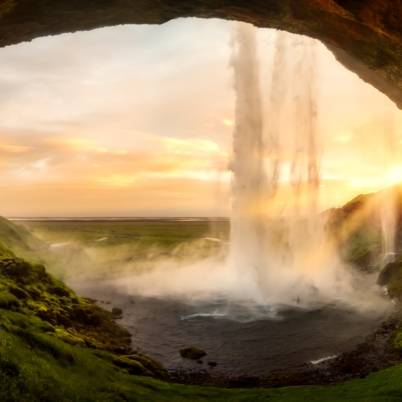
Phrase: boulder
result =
(391, 278)
(192, 353)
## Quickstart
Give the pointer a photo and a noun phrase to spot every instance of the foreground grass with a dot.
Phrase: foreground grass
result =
(47, 369)
(48, 360)
(43, 359)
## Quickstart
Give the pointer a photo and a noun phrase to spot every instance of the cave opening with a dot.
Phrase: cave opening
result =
(117, 133)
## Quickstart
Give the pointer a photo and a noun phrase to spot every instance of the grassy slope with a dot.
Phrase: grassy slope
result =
(52, 370)
(40, 362)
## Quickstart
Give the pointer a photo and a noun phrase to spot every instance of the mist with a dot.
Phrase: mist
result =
(279, 252)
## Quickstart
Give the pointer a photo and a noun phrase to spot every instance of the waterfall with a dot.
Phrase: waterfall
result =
(388, 219)
(275, 224)
(247, 229)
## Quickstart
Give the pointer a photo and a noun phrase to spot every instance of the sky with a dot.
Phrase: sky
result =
(138, 121)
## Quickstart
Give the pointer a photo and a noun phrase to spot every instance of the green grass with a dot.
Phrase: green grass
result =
(162, 233)
(111, 247)
(36, 366)
(17, 240)
(43, 359)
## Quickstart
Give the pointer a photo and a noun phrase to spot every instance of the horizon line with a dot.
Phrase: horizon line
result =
(110, 217)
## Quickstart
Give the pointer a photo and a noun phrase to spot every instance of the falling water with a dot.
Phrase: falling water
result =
(388, 225)
(389, 201)
(279, 252)
(275, 224)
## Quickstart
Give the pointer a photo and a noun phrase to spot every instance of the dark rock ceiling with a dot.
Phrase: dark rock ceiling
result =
(365, 35)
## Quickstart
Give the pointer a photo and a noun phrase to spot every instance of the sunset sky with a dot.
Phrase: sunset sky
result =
(138, 121)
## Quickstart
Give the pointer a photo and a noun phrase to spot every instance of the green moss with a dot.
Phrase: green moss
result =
(5, 252)
(398, 340)
(68, 337)
(362, 247)
(8, 301)
(44, 368)
(44, 355)
(391, 278)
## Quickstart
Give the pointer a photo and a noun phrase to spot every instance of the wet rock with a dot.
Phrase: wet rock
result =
(245, 382)
(90, 300)
(192, 353)
(150, 364)
(132, 366)
(391, 277)
(117, 312)
(139, 364)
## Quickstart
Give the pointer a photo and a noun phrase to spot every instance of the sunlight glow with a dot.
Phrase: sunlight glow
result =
(394, 175)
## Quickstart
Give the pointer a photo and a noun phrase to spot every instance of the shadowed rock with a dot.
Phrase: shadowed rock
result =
(192, 353)
(366, 36)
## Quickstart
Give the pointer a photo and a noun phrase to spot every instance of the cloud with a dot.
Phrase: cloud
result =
(139, 119)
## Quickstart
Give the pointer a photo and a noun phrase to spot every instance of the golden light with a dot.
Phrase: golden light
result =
(228, 122)
(14, 149)
(394, 175)
(343, 137)
(117, 180)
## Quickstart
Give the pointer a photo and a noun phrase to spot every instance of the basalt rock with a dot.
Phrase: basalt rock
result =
(192, 353)
(391, 278)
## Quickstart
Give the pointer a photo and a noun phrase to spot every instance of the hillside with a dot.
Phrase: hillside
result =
(55, 346)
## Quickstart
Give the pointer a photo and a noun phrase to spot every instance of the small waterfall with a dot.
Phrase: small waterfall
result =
(388, 220)
(389, 198)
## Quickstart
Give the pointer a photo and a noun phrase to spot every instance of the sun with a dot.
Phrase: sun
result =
(394, 175)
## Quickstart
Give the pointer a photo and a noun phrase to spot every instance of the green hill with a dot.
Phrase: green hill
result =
(55, 346)
(18, 240)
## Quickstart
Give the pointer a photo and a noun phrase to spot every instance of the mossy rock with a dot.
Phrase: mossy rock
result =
(150, 364)
(192, 353)
(398, 340)
(117, 312)
(59, 291)
(69, 338)
(29, 286)
(18, 292)
(391, 278)
(8, 301)
(132, 366)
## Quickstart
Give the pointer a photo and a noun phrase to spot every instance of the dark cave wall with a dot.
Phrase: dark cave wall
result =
(366, 36)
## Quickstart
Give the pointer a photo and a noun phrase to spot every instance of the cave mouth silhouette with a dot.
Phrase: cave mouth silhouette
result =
(364, 36)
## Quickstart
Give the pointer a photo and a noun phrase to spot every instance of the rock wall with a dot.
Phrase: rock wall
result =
(366, 36)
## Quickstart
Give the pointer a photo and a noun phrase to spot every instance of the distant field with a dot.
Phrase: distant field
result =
(94, 248)
(166, 233)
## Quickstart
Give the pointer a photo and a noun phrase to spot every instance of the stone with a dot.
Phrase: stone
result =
(192, 353)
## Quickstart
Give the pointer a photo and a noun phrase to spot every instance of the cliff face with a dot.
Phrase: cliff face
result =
(366, 36)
